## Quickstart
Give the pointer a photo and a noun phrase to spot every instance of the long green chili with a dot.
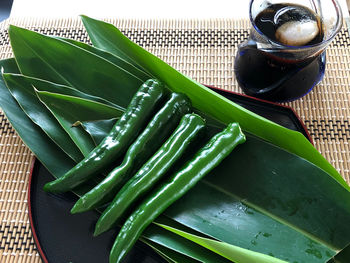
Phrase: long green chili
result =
(156, 132)
(190, 127)
(141, 108)
(176, 186)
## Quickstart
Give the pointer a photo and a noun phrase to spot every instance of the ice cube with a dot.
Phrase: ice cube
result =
(297, 33)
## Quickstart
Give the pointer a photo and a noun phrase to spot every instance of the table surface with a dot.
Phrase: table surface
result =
(151, 9)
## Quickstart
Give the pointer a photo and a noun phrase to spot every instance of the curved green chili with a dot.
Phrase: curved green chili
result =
(123, 133)
(176, 186)
(189, 128)
(156, 132)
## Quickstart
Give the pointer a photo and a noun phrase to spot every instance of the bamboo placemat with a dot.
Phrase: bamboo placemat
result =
(203, 50)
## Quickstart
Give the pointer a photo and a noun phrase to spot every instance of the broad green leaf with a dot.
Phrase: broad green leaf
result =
(176, 246)
(213, 208)
(252, 208)
(109, 38)
(49, 154)
(23, 92)
(43, 85)
(118, 61)
(58, 61)
(103, 41)
(170, 255)
(162, 254)
(233, 253)
(262, 206)
(98, 129)
(45, 150)
(231, 221)
(68, 110)
(79, 109)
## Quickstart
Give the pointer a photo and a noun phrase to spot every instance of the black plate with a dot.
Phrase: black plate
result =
(62, 237)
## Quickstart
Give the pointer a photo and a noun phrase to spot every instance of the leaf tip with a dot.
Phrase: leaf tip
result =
(77, 123)
(74, 209)
(85, 17)
(97, 232)
(13, 28)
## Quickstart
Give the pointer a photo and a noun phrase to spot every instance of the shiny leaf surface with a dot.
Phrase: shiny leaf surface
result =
(233, 253)
(68, 110)
(251, 205)
(116, 60)
(24, 93)
(58, 61)
(264, 216)
(43, 85)
(177, 247)
(52, 156)
(99, 128)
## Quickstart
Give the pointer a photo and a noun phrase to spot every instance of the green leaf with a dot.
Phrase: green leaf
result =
(39, 143)
(118, 61)
(233, 253)
(163, 254)
(23, 92)
(109, 38)
(99, 129)
(68, 110)
(63, 63)
(170, 255)
(103, 41)
(228, 251)
(249, 206)
(43, 85)
(79, 109)
(178, 247)
(46, 151)
(262, 206)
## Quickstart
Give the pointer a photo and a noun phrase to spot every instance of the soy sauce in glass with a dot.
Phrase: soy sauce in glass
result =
(281, 74)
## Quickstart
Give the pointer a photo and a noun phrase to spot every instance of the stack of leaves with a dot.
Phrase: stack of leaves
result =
(274, 199)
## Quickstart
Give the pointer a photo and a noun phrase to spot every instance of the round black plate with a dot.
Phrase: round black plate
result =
(63, 238)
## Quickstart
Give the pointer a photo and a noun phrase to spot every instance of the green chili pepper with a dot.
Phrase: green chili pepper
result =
(123, 133)
(189, 128)
(176, 186)
(156, 132)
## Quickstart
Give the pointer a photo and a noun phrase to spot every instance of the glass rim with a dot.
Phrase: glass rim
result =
(324, 42)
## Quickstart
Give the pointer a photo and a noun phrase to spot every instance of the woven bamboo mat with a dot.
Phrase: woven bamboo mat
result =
(203, 50)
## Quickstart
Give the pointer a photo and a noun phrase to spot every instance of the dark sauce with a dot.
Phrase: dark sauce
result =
(279, 77)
